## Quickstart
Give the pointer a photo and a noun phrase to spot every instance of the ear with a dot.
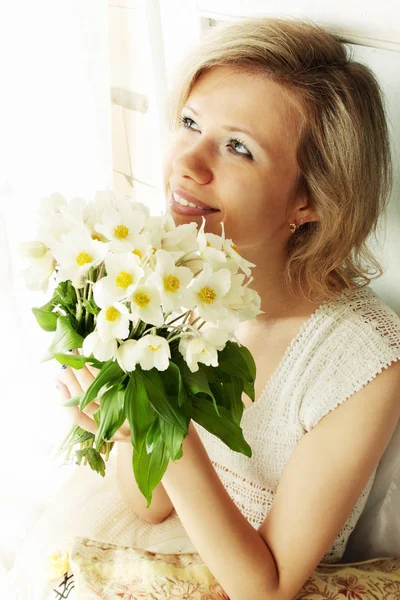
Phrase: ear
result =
(302, 209)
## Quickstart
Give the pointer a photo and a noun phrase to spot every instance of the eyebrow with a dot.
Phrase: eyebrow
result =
(233, 128)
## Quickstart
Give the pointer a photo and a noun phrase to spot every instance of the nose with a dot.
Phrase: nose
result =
(194, 161)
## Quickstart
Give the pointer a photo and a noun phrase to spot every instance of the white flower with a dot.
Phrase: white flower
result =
(127, 355)
(250, 306)
(34, 249)
(101, 348)
(207, 291)
(171, 281)
(36, 277)
(121, 226)
(180, 240)
(123, 275)
(154, 228)
(153, 351)
(76, 253)
(104, 199)
(51, 205)
(113, 321)
(143, 249)
(210, 247)
(233, 253)
(146, 304)
(52, 224)
(203, 347)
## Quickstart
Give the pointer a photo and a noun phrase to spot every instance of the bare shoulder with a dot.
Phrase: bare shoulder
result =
(325, 476)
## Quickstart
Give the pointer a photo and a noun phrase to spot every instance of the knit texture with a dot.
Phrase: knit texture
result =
(339, 349)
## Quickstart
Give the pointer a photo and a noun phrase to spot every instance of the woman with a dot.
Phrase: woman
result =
(282, 138)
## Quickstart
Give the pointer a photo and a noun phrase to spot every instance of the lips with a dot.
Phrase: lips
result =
(186, 196)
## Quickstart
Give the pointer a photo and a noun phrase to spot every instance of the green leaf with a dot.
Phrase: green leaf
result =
(153, 433)
(174, 373)
(237, 360)
(112, 415)
(76, 361)
(90, 306)
(72, 401)
(233, 390)
(80, 454)
(138, 410)
(110, 373)
(150, 468)
(96, 461)
(79, 435)
(47, 320)
(164, 404)
(173, 438)
(65, 338)
(248, 389)
(196, 383)
(223, 427)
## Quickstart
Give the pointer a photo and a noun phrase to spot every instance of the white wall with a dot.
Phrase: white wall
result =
(55, 136)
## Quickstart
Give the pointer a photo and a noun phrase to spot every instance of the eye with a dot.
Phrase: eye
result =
(185, 123)
(237, 141)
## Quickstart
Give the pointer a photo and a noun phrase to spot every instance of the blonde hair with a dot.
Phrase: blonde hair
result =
(343, 149)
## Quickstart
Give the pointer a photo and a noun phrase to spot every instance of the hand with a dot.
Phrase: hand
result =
(74, 382)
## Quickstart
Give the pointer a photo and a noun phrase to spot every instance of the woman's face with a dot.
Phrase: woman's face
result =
(236, 152)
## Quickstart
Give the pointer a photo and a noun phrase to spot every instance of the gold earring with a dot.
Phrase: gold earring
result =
(293, 227)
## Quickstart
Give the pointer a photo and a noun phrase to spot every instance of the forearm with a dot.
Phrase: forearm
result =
(160, 506)
(231, 548)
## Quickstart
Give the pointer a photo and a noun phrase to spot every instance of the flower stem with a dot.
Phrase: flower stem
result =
(134, 330)
(88, 297)
(78, 313)
(186, 314)
(182, 258)
(100, 272)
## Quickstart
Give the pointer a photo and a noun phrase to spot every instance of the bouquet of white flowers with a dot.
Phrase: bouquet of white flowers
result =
(154, 306)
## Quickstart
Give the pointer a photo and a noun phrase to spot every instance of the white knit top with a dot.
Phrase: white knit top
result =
(341, 347)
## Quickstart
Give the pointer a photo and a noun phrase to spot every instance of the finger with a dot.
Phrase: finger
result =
(68, 378)
(92, 370)
(82, 420)
(63, 391)
(84, 377)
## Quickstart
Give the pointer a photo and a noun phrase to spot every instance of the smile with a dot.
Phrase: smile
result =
(184, 202)
(185, 207)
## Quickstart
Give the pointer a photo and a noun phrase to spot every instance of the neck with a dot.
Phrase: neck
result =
(277, 302)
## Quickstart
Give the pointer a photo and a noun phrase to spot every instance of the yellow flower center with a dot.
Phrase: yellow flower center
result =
(172, 283)
(154, 348)
(207, 295)
(97, 236)
(121, 231)
(83, 258)
(236, 249)
(142, 299)
(112, 314)
(137, 252)
(124, 279)
(208, 244)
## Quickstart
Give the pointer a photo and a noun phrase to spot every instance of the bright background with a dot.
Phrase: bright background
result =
(82, 104)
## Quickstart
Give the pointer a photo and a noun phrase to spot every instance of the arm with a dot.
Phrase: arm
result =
(72, 382)
(161, 506)
(324, 477)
